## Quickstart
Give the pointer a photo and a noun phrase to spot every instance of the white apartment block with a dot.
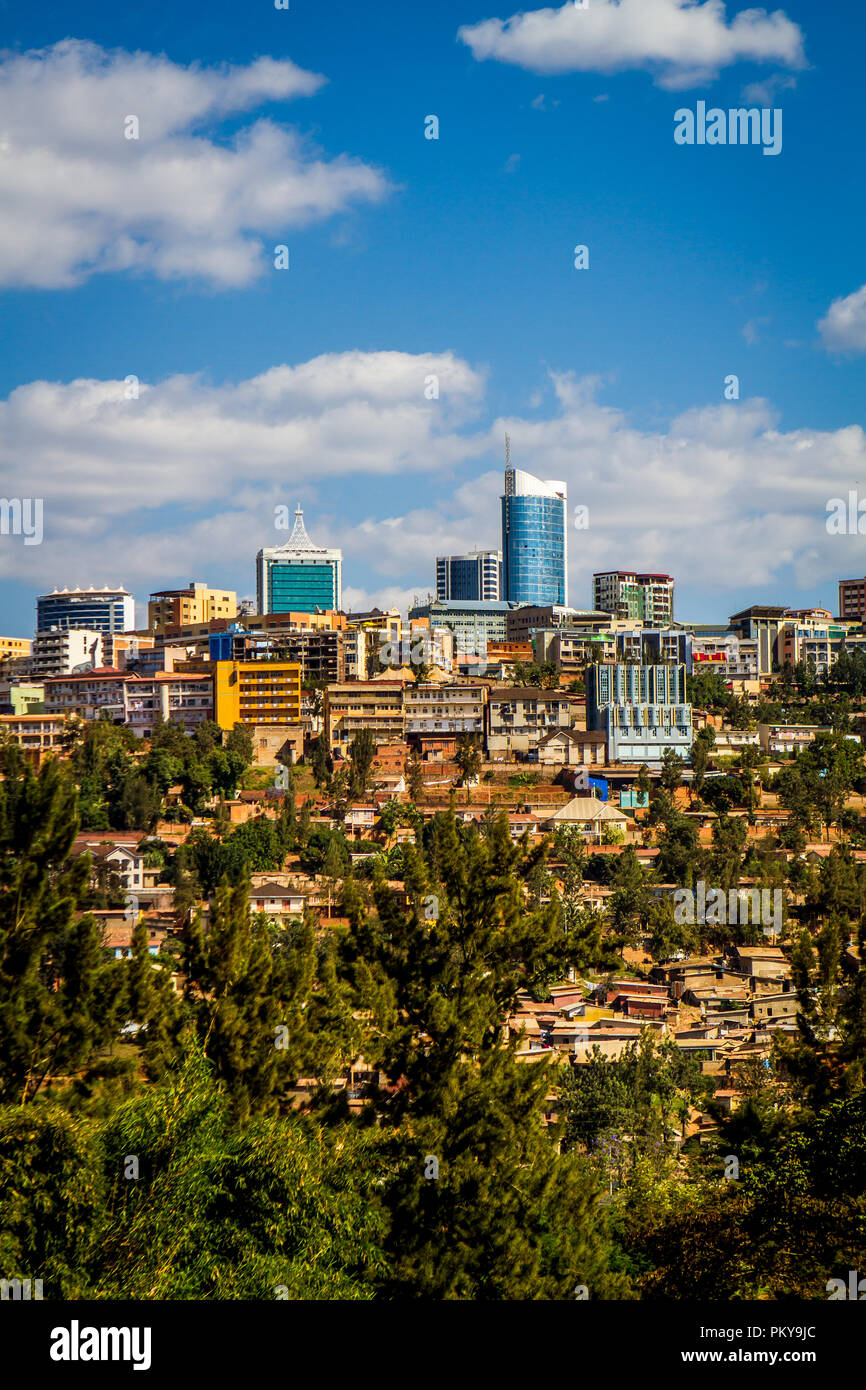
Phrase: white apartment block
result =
(60, 651)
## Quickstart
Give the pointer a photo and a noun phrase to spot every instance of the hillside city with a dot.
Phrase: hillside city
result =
(496, 949)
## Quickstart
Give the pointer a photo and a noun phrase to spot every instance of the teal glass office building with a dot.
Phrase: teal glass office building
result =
(534, 539)
(299, 577)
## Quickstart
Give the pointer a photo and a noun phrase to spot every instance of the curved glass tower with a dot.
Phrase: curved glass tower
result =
(534, 539)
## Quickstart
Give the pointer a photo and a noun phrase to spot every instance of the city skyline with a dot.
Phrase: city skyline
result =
(164, 382)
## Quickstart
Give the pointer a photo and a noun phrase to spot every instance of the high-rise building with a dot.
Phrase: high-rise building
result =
(471, 577)
(299, 576)
(196, 604)
(626, 594)
(98, 610)
(534, 539)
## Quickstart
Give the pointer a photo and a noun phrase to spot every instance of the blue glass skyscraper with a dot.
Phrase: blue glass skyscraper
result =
(534, 539)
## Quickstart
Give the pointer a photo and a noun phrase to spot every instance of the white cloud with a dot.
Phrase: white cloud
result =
(78, 198)
(765, 92)
(843, 327)
(681, 42)
(95, 454)
(182, 483)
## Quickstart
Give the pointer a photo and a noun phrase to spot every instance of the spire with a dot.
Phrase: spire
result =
(299, 540)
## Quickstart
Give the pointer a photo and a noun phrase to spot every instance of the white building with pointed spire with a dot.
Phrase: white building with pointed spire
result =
(299, 577)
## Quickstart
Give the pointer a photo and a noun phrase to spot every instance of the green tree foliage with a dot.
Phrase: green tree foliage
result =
(239, 741)
(362, 752)
(275, 1209)
(468, 757)
(414, 775)
(544, 675)
(116, 793)
(506, 1216)
(240, 991)
(254, 847)
(320, 848)
(628, 1098)
(671, 774)
(57, 1009)
(702, 757)
(791, 1221)
(321, 762)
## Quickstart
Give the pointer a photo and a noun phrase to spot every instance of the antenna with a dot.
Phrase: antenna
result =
(507, 452)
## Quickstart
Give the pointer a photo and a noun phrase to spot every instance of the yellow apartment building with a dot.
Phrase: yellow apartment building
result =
(14, 646)
(197, 604)
(37, 735)
(256, 692)
(354, 705)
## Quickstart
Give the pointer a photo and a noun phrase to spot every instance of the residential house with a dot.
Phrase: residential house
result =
(572, 748)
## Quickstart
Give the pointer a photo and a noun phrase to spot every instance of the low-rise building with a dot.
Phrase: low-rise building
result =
(37, 735)
(572, 748)
(774, 1008)
(518, 717)
(22, 697)
(448, 710)
(276, 900)
(127, 698)
(356, 705)
(590, 816)
(790, 738)
(256, 692)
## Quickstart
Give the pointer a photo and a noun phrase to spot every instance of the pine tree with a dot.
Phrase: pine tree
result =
(481, 1205)
(247, 990)
(56, 1005)
(151, 1001)
(287, 820)
(414, 775)
(362, 753)
(304, 822)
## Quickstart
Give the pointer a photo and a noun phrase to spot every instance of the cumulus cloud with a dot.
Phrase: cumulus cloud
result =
(681, 42)
(183, 482)
(843, 327)
(766, 91)
(92, 450)
(720, 498)
(78, 197)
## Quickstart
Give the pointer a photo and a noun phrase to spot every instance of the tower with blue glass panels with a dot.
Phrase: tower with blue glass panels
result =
(534, 539)
(299, 577)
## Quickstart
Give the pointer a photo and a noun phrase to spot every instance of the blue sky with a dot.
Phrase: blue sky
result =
(411, 256)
